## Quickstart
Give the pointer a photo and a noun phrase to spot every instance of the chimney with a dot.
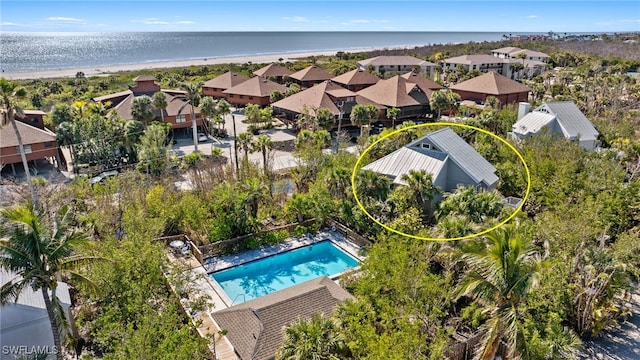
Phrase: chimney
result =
(523, 109)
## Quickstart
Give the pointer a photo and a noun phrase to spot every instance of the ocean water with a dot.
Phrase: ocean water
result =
(31, 51)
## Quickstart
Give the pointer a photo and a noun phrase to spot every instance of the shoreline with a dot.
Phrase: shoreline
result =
(170, 64)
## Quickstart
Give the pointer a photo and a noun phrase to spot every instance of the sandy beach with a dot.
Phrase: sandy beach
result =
(112, 69)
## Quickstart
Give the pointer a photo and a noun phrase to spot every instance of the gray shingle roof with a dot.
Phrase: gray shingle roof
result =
(467, 158)
(256, 327)
(571, 119)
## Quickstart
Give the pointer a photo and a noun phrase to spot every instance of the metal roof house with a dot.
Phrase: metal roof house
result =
(445, 155)
(24, 323)
(560, 117)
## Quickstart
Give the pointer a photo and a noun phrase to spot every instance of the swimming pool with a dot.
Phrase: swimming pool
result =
(261, 277)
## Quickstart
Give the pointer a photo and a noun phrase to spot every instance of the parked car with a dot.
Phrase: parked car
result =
(202, 137)
(103, 176)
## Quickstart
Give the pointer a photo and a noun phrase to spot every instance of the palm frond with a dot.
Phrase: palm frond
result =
(11, 290)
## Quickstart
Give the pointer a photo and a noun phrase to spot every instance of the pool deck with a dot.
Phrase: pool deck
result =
(204, 285)
(219, 263)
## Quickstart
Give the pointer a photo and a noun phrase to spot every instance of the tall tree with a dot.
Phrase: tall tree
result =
(392, 113)
(263, 144)
(208, 109)
(256, 192)
(360, 116)
(153, 151)
(160, 103)
(500, 276)
(422, 188)
(142, 109)
(192, 94)
(245, 141)
(10, 94)
(40, 251)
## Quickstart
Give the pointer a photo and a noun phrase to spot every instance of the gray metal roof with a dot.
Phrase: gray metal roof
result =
(467, 158)
(405, 159)
(31, 298)
(571, 119)
(532, 123)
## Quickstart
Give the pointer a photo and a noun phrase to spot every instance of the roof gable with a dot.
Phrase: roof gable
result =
(273, 69)
(255, 328)
(394, 92)
(225, 81)
(356, 77)
(311, 73)
(491, 83)
(315, 96)
(463, 154)
(423, 82)
(30, 135)
(571, 119)
(256, 86)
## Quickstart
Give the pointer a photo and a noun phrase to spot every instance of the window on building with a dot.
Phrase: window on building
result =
(250, 97)
(48, 144)
(27, 149)
(181, 118)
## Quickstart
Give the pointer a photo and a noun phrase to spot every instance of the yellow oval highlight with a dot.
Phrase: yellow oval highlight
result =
(515, 212)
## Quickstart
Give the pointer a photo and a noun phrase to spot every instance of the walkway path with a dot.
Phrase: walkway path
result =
(622, 343)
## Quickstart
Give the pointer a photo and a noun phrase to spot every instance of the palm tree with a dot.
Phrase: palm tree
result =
(439, 101)
(392, 113)
(325, 119)
(500, 276)
(160, 103)
(359, 116)
(142, 109)
(40, 251)
(338, 183)
(263, 144)
(10, 93)
(318, 338)
(208, 109)
(192, 94)
(245, 141)
(421, 186)
(256, 192)
(223, 109)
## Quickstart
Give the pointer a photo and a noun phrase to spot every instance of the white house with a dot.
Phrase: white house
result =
(560, 117)
(511, 52)
(482, 62)
(24, 325)
(398, 64)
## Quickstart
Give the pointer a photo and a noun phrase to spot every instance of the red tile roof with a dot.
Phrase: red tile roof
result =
(225, 81)
(311, 73)
(491, 83)
(273, 70)
(256, 86)
(356, 77)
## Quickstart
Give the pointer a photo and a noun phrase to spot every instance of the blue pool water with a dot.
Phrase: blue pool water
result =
(277, 272)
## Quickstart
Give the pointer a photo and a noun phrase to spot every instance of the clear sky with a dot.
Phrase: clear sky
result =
(302, 15)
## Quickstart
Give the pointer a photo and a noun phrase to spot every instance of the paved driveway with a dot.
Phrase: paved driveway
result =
(280, 159)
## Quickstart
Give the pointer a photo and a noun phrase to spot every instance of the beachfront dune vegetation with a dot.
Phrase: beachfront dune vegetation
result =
(560, 273)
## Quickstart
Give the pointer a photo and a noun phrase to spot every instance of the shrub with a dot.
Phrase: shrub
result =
(252, 243)
(253, 129)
